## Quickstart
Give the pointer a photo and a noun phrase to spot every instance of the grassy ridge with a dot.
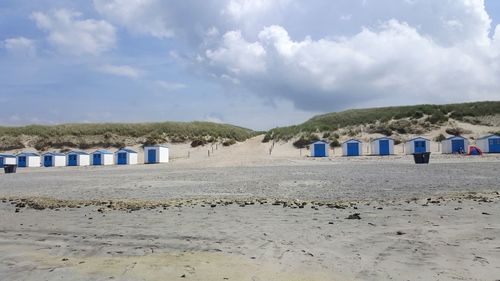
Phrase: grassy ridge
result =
(85, 136)
(436, 113)
(172, 129)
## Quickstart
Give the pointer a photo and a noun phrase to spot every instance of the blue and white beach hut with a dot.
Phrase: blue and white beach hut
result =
(489, 143)
(53, 159)
(418, 145)
(78, 158)
(28, 159)
(156, 154)
(382, 146)
(102, 157)
(319, 149)
(352, 147)
(126, 156)
(454, 144)
(7, 159)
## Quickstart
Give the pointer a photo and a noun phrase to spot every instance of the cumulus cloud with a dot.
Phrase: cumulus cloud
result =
(72, 35)
(390, 64)
(120, 70)
(141, 17)
(242, 9)
(20, 46)
(238, 56)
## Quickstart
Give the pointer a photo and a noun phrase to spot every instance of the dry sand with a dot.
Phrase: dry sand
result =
(242, 214)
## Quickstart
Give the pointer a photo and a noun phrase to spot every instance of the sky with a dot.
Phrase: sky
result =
(253, 63)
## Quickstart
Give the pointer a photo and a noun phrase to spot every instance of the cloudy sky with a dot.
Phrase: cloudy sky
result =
(254, 63)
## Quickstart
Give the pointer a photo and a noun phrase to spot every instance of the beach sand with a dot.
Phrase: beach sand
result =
(244, 215)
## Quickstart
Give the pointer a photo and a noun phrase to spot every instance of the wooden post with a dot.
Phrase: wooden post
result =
(209, 153)
(189, 154)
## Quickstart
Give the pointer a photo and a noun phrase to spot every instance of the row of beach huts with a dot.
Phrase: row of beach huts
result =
(385, 146)
(152, 155)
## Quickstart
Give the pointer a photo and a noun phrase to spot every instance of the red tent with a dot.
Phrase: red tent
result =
(474, 150)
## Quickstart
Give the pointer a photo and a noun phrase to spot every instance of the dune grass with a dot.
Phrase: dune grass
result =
(187, 130)
(435, 114)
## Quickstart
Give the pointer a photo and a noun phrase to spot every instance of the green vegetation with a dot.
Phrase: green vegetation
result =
(434, 114)
(171, 129)
(305, 141)
(454, 131)
(440, 138)
(229, 142)
(85, 136)
(335, 143)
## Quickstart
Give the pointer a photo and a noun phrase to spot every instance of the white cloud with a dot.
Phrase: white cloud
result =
(120, 70)
(20, 46)
(72, 35)
(170, 86)
(240, 9)
(214, 118)
(237, 55)
(139, 16)
(388, 65)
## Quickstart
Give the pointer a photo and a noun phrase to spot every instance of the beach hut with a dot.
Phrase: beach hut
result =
(28, 159)
(418, 145)
(382, 146)
(78, 158)
(319, 149)
(53, 159)
(102, 157)
(125, 156)
(489, 144)
(155, 154)
(7, 159)
(454, 144)
(352, 147)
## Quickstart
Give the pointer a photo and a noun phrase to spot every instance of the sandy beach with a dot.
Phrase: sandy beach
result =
(275, 219)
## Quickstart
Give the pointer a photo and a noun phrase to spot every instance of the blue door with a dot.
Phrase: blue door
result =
(122, 158)
(152, 156)
(384, 147)
(494, 145)
(97, 160)
(352, 149)
(1, 162)
(72, 160)
(47, 161)
(319, 150)
(420, 147)
(21, 161)
(457, 146)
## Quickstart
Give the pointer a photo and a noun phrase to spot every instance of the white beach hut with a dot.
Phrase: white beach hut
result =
(352, 147)
(53, 159)
(156, 154)
(102, 157)
(489, 144)
(418, 145)
(126, 156)
(78, 158)
(454, 144)
(319, 149)
(28, 159)
(7, 159)
(382, 146)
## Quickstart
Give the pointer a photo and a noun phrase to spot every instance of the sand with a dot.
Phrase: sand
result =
(242, 214)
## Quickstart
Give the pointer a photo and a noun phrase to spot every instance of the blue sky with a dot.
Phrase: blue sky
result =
(254, 63)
